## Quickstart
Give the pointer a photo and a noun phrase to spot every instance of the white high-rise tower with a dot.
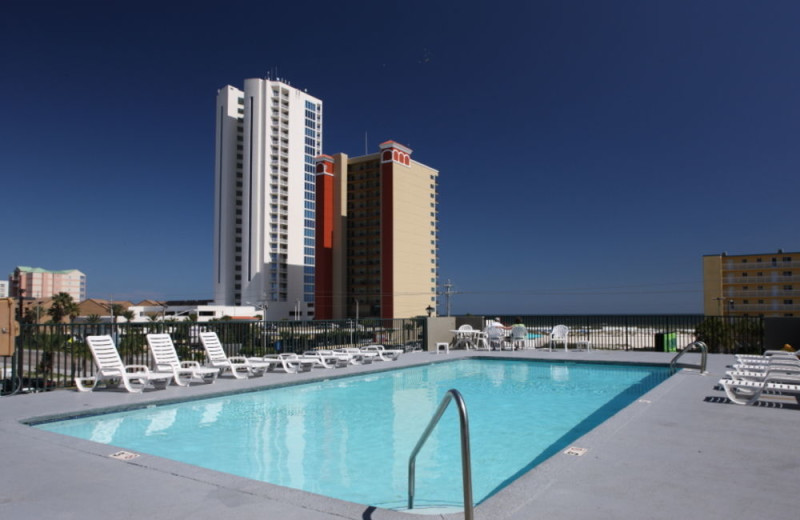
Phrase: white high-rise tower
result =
(264, 211)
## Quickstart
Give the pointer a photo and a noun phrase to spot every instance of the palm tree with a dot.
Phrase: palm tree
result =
(62, 306)
(128, 315)
(116, 311)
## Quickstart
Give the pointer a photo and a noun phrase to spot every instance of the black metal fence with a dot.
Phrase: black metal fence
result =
(53, 355)
(722, 334)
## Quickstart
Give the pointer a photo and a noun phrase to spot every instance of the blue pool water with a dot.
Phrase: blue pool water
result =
(350, 438)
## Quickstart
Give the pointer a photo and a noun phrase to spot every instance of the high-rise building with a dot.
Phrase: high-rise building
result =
(376, 235)
(267, 137)
(39, 283)
(766, 284)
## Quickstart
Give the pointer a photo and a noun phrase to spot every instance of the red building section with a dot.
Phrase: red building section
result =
(323, 284)
(391, 154)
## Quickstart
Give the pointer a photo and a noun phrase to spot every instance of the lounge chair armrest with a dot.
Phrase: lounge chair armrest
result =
(238, 360)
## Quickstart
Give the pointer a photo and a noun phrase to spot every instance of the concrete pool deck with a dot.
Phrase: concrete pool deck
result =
(681, 451)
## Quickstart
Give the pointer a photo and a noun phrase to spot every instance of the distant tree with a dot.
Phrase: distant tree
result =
(128, 315)
(192, 317)
(62, 306)
(93, 319)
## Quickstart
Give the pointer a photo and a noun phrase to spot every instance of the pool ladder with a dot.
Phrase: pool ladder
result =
(466, 466)
(691, 346)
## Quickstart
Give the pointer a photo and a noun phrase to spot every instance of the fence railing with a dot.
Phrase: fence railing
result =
(51, 356)
(722, 334)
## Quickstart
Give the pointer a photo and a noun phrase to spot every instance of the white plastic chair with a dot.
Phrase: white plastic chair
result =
(495, 336)
(559, 334)
(519, 336)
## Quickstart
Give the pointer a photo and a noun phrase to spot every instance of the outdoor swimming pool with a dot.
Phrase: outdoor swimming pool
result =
(350, 438)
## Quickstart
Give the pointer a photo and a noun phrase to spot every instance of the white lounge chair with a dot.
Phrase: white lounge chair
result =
(383, 353)
(762, 366)
(357, 356)
(110, 369)
(768, 356)
(239, 366)
(559, 335)
(166, 358)
(742, 391)
(328, 358)
(289, 362)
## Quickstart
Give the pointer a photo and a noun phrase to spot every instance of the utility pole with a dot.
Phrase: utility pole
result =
(447, 292)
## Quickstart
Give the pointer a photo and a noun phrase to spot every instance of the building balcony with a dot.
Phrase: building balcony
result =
(763, 294)
(765, 308)
(756, 280)
(760, 266)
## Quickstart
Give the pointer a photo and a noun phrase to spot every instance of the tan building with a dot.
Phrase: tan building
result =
(376, 235)
(766, 284)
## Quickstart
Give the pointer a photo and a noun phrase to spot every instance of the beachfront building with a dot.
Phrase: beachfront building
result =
(765, 284)
(38, 283)
(3, 289)
(376, 244)
(267, 136)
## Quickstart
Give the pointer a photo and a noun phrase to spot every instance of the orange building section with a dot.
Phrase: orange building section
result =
(323, 283)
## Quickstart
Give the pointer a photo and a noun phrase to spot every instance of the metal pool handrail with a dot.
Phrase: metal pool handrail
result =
(466, 466)
(703, 355)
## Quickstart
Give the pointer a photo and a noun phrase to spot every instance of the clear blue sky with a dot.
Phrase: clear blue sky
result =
(590, 152)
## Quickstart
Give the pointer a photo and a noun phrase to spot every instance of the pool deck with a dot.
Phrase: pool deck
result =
(681, 451)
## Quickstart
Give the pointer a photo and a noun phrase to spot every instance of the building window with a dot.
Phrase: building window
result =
(788, 302)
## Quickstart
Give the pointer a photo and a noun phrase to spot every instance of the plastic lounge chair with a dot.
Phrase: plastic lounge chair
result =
(768, 356)
(742, 391)
(777, 374)
(357, 356)
(290, 363)
(339, 359)
(240, 367)
(165, 358)
(762, 366)
(383, 353)
(328, 358)
(559, 334)
(135, 378)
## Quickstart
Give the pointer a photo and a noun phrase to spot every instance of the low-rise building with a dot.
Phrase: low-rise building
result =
(762, 284)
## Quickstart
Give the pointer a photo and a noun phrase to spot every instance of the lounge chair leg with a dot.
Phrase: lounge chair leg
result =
(80, 383)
